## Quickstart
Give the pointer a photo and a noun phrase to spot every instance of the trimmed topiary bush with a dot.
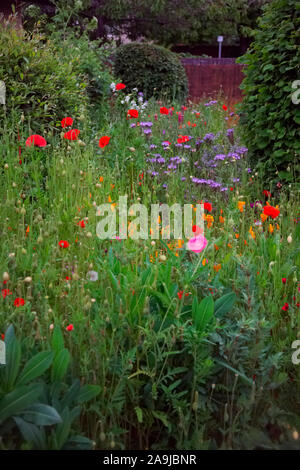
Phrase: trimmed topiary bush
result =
(151, 69)
(271, 119)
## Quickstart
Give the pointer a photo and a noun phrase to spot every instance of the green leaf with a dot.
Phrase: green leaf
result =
(78, 443)
(63, 429)
(19, 399)
(31, 433)
(41, 415)
(13, 358)
(224, 304)
(35, 367)
(87, 392)
(162, 417)
(204, 313)
(139, 414)
(72, 394)
(60, 365)
(240, 374)
(57, 342)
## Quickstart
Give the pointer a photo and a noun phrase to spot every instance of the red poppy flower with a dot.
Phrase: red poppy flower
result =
(81, 223)
(68, 278)
(267, 193)
(19, 302)
(64, 244)
(182, 139)
(283, 280)
(120, 86)
(164, 110)
(133, 113)
(72, 134)
(285, 307)
(271, 211)
(5, 293)
(103, 141)
(66, 122)
(224, 107)
(208, 206)
(2, 336)
(36, 140)
(70, 327)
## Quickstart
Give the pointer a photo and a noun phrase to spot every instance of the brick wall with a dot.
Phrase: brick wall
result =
(208, 77)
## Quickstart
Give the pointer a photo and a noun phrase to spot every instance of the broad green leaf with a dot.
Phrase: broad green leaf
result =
(57, 342)
(224, 304)
(63, 429)
(13, 358)
(35, 367)
(204, 313)
(41, 415)
(18, 400)
(87, 392)
(31, 433)
(72, 394)
(60, 365)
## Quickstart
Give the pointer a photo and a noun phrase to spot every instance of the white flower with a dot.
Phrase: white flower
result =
(289, 239)
(92, 276)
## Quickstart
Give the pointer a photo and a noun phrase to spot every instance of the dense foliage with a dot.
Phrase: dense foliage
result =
(272, 117)
(36, 403)
(164, 21)
(151, 69)
(52, 71)
(40, 83)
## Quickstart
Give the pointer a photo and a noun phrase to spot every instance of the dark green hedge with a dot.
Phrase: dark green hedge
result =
(271, 119)
(154, 70)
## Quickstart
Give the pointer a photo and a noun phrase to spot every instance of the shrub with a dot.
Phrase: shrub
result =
(89, 59)
(38, 82)
(271, 119)
(152, 69)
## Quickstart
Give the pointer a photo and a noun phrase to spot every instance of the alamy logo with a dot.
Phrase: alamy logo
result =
(2, 353)
(296, 94)
(165, 221)
(296, 354)
(2, 92)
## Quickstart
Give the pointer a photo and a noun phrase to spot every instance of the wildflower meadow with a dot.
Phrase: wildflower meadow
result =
(117, 333)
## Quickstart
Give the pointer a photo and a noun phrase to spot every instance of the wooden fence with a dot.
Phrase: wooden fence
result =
(209, 77)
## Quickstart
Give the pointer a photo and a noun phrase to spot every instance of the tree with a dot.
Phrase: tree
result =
(165, 22)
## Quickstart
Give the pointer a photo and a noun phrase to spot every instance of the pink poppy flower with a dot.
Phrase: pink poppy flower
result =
(197, 244)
